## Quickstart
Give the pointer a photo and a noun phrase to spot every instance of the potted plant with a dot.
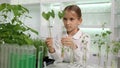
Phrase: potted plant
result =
(13, 31)
(12, 27)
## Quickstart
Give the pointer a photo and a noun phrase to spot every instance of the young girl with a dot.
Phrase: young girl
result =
(75, 43)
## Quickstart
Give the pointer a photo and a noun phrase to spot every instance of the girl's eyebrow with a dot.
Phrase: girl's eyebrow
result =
(64, 18)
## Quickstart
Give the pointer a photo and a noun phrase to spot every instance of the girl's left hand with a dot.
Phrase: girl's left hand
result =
(67, 41)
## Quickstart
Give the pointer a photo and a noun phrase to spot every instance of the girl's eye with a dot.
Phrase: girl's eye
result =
(71, 19)
(64, 19)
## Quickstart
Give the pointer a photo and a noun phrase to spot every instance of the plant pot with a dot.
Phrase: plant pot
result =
(118, 65)
(15, 56)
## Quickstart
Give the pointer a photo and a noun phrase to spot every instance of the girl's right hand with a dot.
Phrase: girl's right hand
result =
(49, 42)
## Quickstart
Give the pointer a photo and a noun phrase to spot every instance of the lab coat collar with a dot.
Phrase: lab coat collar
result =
(77, 35)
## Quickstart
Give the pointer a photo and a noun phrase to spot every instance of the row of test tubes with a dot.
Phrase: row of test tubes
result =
(15, 56)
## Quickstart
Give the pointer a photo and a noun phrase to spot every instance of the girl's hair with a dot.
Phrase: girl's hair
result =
(74, 8)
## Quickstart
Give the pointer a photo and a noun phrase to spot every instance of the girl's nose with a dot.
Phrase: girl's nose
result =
(68, 22)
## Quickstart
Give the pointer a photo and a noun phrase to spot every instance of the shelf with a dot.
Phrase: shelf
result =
(88, 26)
(118, 13)
(24, 1)
(32, 7)
(75, 1)
(32, 4)
(56, 1)
(81, 2)
(96, 12)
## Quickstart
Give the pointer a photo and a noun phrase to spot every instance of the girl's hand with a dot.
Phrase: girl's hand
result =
(67, 41)
(49, 42)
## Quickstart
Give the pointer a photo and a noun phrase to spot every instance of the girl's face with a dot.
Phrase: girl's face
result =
(71, 21)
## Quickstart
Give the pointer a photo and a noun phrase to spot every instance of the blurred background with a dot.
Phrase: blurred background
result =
(94, 13)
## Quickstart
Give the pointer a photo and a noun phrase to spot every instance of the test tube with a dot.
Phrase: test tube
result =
(9, 56)
(40, 57)
(2, 57)
(12, 57)
(27, 56)
(19, 57)
(5, 56)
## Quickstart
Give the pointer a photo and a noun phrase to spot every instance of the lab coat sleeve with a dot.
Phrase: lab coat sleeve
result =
(57, 54)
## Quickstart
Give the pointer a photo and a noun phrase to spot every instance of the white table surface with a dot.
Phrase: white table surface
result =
(68, 65)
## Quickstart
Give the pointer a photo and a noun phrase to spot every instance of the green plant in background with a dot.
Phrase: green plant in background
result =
(47, 17)
(115, 47)
(107, 46)
(115, 52)
(103, 39)
(12, 27)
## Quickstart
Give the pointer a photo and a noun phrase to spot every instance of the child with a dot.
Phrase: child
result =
(75, 43)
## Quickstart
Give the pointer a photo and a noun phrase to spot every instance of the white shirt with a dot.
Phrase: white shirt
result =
(80, 39)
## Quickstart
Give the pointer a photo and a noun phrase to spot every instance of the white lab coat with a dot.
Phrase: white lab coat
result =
(79, 53)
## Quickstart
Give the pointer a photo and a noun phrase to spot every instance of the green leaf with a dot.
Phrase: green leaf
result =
(15, 11)
(46, 15)
(60, 14)
(108, 32)
(2, 6)
(94, 42)
(5, 16)
(24, 9)
(34, 31)
(52, 13)
(104, 34)
(96, 35)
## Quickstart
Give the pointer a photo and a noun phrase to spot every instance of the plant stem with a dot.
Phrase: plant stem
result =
(85, 57)
(49, 27)
(71, 56)
(62, 51)
(99, 55)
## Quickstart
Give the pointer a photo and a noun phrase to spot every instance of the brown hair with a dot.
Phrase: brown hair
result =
(74, 8)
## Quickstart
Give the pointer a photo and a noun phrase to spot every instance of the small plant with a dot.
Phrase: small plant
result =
(60, 15)
(47, 17)
(84, 50)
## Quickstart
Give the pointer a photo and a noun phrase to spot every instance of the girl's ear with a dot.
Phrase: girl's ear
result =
(80, 21)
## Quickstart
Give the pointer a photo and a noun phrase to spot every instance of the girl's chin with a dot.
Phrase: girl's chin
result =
(68, 30)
